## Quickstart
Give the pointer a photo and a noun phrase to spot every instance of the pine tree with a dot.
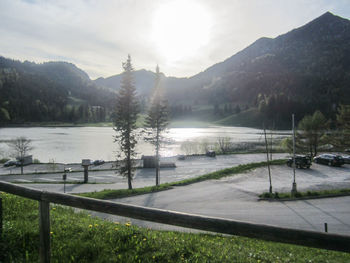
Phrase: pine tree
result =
(156, 120)
(126, 111)
(310, 132)
(341, 138)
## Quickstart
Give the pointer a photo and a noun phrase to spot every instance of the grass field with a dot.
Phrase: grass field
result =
(78, 237)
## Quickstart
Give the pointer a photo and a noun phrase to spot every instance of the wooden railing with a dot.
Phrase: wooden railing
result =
(219, 225)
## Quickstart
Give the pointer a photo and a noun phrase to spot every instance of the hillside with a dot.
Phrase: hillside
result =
(52, 91)
(301, 71)
(298, 72)
(143, 78)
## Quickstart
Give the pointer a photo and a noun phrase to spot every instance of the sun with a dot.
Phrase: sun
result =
(180, 29)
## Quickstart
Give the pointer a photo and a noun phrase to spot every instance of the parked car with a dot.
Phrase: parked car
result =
(12, 163)
(210, 153)
(301, 161)
(329, 159)
(98, 162)
(181, 157)
(346, 158)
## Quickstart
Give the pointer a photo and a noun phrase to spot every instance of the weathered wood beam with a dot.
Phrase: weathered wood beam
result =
(44, 231)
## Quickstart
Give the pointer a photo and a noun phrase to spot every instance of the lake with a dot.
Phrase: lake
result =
(71, 144)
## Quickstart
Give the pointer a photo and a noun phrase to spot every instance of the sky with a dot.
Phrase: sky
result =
(184, 37)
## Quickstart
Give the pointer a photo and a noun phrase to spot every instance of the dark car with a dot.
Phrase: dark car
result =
(301, 161)
(98, 162)
(12, 163)
(329, 159)
(181, 157)
(346, 158)
(210, 153)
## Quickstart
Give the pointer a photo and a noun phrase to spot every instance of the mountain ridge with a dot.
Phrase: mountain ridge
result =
(258, 48)
(303, 70)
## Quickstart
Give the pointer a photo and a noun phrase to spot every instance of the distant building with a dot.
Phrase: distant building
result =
(26, 159)
(148, 161)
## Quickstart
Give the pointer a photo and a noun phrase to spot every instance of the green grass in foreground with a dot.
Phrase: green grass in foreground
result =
(110, 194)
(78, 237)
(312, 194)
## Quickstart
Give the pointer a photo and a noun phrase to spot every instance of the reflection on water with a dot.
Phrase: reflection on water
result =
(72, 144)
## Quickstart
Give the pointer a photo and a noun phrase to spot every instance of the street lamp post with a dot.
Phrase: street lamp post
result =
(294, 186)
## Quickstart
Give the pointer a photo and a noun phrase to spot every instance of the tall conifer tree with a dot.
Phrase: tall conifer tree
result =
(126, 111)
(156, 120)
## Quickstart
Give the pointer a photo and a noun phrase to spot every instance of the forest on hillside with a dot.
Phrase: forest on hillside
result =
(50, 92)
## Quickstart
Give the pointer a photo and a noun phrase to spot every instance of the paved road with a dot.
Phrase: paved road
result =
(235, 198)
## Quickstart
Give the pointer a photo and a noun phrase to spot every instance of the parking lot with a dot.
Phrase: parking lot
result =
(101, 177)
(190, 167)
(236, 198)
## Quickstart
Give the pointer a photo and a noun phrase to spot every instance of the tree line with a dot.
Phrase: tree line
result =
(54, 91)
(315, 132)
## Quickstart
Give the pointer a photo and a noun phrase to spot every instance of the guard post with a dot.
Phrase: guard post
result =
(64, 177)
(85, 163)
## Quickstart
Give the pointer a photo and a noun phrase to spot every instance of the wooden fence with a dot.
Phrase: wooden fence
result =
(219, 225)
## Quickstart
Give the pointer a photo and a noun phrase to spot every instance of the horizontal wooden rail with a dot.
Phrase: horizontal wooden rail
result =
(219, 225)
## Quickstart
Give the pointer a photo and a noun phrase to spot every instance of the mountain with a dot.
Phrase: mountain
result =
(298, 72)
(144, 80)
(304, 70)
(52, 91)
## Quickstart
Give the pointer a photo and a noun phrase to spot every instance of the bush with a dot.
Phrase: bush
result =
(298, 194)
(36, 161)
(4, 160)
(311, 193)
(267, 195)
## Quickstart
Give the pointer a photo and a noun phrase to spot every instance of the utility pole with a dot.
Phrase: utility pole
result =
(268, 163)
(294, 186)
(271, 141)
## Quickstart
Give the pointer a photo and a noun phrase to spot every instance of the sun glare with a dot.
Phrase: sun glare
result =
(180, 29)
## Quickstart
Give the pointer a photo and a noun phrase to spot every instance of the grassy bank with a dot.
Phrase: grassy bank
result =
(78, 237)
(110, 194)
(307, 194)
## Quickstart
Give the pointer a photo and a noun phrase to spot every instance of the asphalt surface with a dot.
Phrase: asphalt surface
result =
(235, 197)
(192, 166)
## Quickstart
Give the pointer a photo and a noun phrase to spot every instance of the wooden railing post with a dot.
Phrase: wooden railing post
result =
(0, 218)
(44, 231)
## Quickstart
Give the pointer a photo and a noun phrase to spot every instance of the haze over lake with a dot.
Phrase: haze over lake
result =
(71, 144)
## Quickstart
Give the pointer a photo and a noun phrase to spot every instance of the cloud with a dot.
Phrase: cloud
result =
(85, 32)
